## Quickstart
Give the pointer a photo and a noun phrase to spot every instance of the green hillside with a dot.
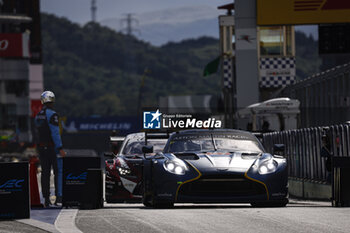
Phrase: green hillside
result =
(307, 59)
(94, 70)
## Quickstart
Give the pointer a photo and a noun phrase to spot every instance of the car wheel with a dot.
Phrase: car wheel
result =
(269, 204)
(163, 205)
(146, 202)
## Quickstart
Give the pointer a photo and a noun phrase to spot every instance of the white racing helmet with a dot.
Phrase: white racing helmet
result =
(47, 97)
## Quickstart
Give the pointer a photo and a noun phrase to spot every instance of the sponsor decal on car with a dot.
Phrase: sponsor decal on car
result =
(165, 195)
(128, 185)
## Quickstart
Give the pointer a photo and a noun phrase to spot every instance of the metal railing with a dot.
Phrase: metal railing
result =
(321, 95)
(303, 149)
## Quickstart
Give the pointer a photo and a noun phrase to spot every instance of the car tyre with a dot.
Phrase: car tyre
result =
(163, 205)
(270, 204)
(148, 201)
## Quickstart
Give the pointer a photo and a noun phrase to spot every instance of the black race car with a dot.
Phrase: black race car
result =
(214, 166)
(124, 172)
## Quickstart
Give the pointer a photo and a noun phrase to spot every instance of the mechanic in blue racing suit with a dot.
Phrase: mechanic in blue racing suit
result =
(49, 147)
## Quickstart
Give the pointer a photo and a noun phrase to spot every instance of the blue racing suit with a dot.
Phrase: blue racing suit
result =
(47, 124)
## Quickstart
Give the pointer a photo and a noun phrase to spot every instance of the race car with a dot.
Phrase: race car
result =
(214, 166)
(124, 172)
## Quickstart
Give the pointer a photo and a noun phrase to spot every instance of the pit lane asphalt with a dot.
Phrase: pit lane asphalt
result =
(298, 216)
(15, 226)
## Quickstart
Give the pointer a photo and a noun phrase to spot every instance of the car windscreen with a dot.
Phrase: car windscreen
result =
(214, 142)
(135, 147)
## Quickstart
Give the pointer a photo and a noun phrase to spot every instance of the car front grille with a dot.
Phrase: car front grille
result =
(222, 186)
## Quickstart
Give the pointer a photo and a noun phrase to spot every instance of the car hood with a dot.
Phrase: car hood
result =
(220, 161)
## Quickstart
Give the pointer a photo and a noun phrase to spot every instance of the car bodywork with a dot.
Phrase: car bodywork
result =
(124, 172)
(215, 166)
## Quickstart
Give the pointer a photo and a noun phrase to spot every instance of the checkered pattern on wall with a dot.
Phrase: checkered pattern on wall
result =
(277, 72)
(227, 72)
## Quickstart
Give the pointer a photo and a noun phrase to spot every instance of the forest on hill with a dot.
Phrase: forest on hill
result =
(94, 70)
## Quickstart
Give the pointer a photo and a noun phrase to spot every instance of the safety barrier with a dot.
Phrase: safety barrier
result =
(321, 96)
(75, 179)
(14, 190)
(303, 149)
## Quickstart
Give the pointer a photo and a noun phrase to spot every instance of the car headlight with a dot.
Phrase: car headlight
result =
(123, 171)
(123, 167)
(177, 167)
(267, 167)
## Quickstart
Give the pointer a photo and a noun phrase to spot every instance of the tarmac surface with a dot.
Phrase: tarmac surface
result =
(298, 216)
(15, 226)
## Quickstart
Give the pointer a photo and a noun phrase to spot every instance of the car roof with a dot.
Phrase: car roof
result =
(194, 131)
(150, 136)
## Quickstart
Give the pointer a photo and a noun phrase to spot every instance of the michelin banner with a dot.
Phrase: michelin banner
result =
(121, 124)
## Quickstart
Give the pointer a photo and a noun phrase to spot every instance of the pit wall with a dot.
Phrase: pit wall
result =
(304, 189)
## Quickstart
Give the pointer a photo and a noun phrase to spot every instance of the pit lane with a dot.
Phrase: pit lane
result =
(298, 216)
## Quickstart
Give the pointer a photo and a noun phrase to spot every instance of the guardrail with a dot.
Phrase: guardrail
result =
(303, 149)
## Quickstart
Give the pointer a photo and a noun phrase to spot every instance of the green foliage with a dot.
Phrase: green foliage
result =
(307, 59)
(94, 70)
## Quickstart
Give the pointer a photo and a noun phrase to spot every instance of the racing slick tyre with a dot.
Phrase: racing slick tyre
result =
(163, 205)
(148, 201)
(282, 203)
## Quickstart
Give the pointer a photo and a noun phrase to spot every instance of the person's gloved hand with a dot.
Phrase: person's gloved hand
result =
(62, 153)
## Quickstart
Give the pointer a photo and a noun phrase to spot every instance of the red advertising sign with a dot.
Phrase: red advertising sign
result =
(14, 45)
(35, 106)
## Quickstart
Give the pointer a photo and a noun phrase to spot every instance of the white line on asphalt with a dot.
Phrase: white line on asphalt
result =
(38, 224)
(65, 222)
(110, 223)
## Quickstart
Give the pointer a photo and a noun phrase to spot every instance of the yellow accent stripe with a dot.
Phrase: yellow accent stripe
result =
(267, 191)
(196, 178)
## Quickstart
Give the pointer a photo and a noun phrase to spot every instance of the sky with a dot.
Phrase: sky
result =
(79, 10)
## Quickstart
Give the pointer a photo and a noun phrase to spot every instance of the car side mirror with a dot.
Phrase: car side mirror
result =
(109, 155)
(147, 149)
(110, 161)
(278, 149)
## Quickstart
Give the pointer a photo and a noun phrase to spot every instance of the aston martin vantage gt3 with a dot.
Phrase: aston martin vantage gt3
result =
(214, 166)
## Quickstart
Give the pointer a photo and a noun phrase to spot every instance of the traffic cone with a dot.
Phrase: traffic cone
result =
(34, 188)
